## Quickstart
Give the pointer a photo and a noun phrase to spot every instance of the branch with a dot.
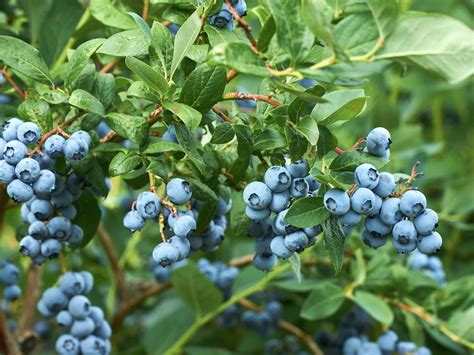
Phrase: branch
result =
(17, 89)
(242, 96)
(146, 6)
(242, 261)
(113, 259)
(109, 66)
(8, 344)
(222, 115)
(339, 150)
(231, 74)
(29, 304)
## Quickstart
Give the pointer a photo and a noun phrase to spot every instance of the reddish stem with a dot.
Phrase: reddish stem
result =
(17, 89)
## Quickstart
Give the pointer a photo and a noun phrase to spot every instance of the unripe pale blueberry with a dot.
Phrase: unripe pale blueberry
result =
(27, 170)
(59, 227)
(350, 218)
(82, 327)
(30, 246)
(179, 191)
(14, 151)
(79, 307)
(390, 211)
(373, 240)
(50, 248)
(299, 188)
(337, 201)
(7, 172)
(42, 209)
(277, 178)
(45, 183)
(67, 345)
(363, 200)
(28, 133)
(280, 201)
(64, 319)
(165, 254)
(426, 222)
(298, 169)
(148, 205)
(386, 185)
(10, 129)
(257, 195)
(72, 283)
(366, 175)
(257, 215)
(378, 141)
(296, 241)
(19, 191)
(75, 148)
(54, 146)
(430, 244)
(265, 263)
(376, 227)
(412, 203)
(133, 221)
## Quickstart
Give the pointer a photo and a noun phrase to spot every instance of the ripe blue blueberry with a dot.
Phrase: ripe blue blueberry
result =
(369, 348)
(182, 245)
(50, 248)
(69, 212)
(418, 261)
(42, 209)
(54, 299)
(19, 191)
(280, 226)
(2, 145)
(430, 244)
(79, 307)
(102, 129)
(93, 345)
(405, 248)
(29, 246)
(265, 263)
(45, 161)
(14, 151)
(376, 227)
(59, 227)
(406, 347)
(422, 351)
(279, 248)
(38, 230)
(277, 178)
(257, 215)
(387, 341)
(88, 281)
(386, 185)
(426, 222)
(64, 319)
(12, 293)
(223, 206)
(82, 327)
(390, 211)
(298, 169)
(76, 236)
(7, 172)
(350, 218)
(366, 175)
(82, 135)
(241, 7)
(9, 273)
(299, 188)
(257, 195)
(404, 232)
(378, 141)
(97, 315)
(337, 201)
(133, 221)
(312, 183)
(148, 205)
(363, 201)
(28, 133)
(296, 241)
(377, 206)
(10, 129)
(412, 203)
(75, 148)
(45, 184)
(351, 346)
(67, 345)
(63, 199)
(165, 254)
(103, 330)
(373, 240)
(27, 170)
(54, 146)
(223, 19)
(170, 134)
(179, 191)
(72, 283)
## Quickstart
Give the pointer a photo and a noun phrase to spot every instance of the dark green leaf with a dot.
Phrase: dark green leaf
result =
(190, 146)
(161, 147)
(88, 216)
(326, 142)
(325, 300)
(266, 34)
(224, 133)
(105, 12)
(125, 44)
(124, 163)
(296, 143)
(334, 242)
(330, 180)
(162, 47)
(80, 58)
(153, 79)
(307, 212)
(375, 306)
(104, 88)
(37, 111)
(185, 38)
(245, 140)
(85, 101)
(134, 128)
(269, 139)
(350, 160)
(189, 116)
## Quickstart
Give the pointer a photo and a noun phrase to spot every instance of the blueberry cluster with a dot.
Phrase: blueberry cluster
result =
(431, 265)
(264, 322)
(275, 238)
(162, 274)
(224, 18)
(9, 276)
(387, 343)
(47, 196)
(289, 345)
(89, 332)
(411, 224)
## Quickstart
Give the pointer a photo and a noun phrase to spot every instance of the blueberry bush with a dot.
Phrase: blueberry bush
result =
(236, 177)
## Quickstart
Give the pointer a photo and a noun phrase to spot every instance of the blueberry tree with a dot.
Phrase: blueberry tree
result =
(231, 176)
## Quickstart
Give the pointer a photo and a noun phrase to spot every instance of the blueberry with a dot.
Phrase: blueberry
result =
(351, 345)
(38, 230)
(406, 347)
(378, 141)
(76, 236)
(10, 129)
(97, 315)
(72, 283)
(350, 218)
(54, 146)
(54, 299)
(14, 151)
(165, 254)
(82, 135)
(241, 7)
(369, 348)
(265, 263)
(50, 248)
(377, 206)
(412, 203)
(220, 220)
(59, 185)
(223, 206)
(2, 145)
(387, 341)
(170, 134)
(148, 205)
(69, 212)
(59, 227)
(45, 184)
(45, 161)
(257, 215)
(39, 260)
(42, 209)
(277, 178)
(29, 246)
(422, 351)
(102, 129)
(426, 222)
(24, 211)
(298, 169)
(313, 231)
(337, 201)
(404, 248)
(299, 188)
(262, 246)
(430, 244)
(418, 261)
(93, 345)
(363, 200)
(366, 175)
(376, 227)
(312, 183)
(79, 307)
(41, 307)
(274, 308)
(27, 170)
(11, 293)
(386, 185)
(279, 248)
(63, 199)
(82, 327)
(390, 211)
(7, 172)
(19, 191)
(373, 240)
(179, 191)
(133, 221)
(296, 241)
(64, 319)
(182, 245)
(75, 148)
(223, 19)
(434, 263)
(257, 195)
(404, 232)
(28, 133)
(103, 331)
(88, 281)
(67, 345)
(280, 225)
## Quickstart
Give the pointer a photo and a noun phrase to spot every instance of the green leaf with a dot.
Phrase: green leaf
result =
(296, 143)
(141, 90)
(385, 13)
(293, 35)
(307, 212)
(245, 140)
(326, 142)
(162, 147)
(203, 192)
(104, 88)
(350, 160)
(295, 263)
(204, 87)
(54, 97)
(90, 169)
(85, 101)
(110, 148)
(219, 35)
(330, 180)
(356, 34)
(124, 163)
(269, 139)
(125, 44)
(247, 277)
(88, 216)
(196, 290)
(238, 56)
(105, 12)
(80, 58)
(185, 38)
(142, 25)
(342, 105)
(325, 300)
(266, 34)
(224, 133)
(437, 43)
(307, 127)
(375, 306)
(189, 116)
(153, 79)
(134, 128)
(334, 242)
(25, 59)
(162, 47)
(37, 111)
(317, 15)
(188, 142)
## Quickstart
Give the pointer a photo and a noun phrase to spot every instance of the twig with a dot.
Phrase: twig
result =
(113, 259)
(263, 161)
(161, 219)
(8, 345)
(222, 115)
(242, 261)
(243, 96)
(108, 66)
(231, 74)
(146, 6)
(29, 304)
(17, 89)
(356, 144)
(339, 150)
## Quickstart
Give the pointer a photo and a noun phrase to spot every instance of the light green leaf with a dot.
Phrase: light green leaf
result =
(385, 13)
(184, 39)
(219, 35)
(356, 34)
(325, 300)
(126, 43)
(375, 306)
(307, 212)
(142, 25)
(123, 163)
(269, 139)
(80, 58)
(162, 45)
(134, 128)
(308, 127)
(85, 101)
(37, 111)
(350, 160)
(317, 15)
(295, 263)
(190, 146)
(189, 116)
(153, 79)
(161, 147)
(105, 12)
